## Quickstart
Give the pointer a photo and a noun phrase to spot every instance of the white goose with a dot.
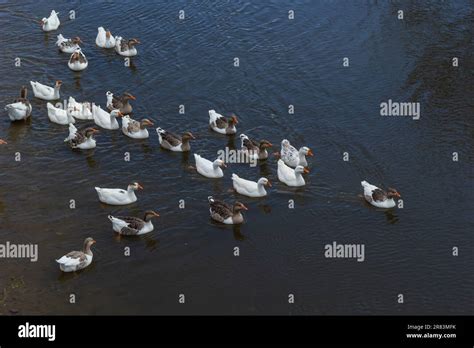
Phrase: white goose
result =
(125, 47)
(119, 196)
(68, 45)
(290, 176)
(78, 61)
(209, 169)
(250, 188)
(133, 226)
(21, 108)
(81, 111)
(378, 197)
(104, 38)
(104, 119)
(293, 157)
(58, 115)
(51, 23)
(77, 260)
(45, 92)
(135, 129)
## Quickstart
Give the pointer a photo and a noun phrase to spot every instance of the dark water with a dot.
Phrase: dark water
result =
(282, 62)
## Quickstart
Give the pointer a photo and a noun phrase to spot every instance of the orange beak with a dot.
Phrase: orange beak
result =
(269, 183)
(306, 170)
(140, 187)
(132, 97)
(156, 214)
(224, 165)
(120, 114)
(3, 142)
(95, 130)
(310, 153)
(244, 207)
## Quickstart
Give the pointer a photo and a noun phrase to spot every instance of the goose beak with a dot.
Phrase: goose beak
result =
(306, 170)
(269, 183)
(132, 97)
(224, 165)
(156, 214)
(3, 142)
(310, 153)
(120, 114)
(140, 187)
(93, 241)
(244, 207)
(95, 130)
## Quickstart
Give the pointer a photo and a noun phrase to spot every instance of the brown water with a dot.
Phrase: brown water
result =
(282, 62)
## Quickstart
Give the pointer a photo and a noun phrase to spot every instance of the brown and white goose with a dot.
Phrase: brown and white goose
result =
(174, 142)
(225, 213)
(77, 260)
(133, 226)
(21, 108)
(220, 124)
(135, 129)
(255, 149)
(121, 103)
(378, 197)
(82, 139)
(126, 47)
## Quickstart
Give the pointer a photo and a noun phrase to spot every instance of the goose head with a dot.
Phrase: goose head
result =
(145, 122)
(90, 132)
(58, 84)
(188, 136)
(238, 207)
(264, 182)
(392, 193)
(306, 151)
(76, 40)
(43, 21)
(233, 120)
(108, 34)
(116, 113)
(135, 186)
(149, 214)
(133, 42)
(88, 243)
(301, 170)
(219, 163)
(127, 96)
(265, 144)
(285, 143)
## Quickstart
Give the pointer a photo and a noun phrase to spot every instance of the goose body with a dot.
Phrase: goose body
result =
(126, 47)
(225, 213)
(293, 157)
(77, 260)
(83, 139)
(21, 108)
(173, 142)
(51, 23)
(133, 226)
(78, 61)
(220, 124)
(118, 196)
(209, 169)
(254, 149)
(250, 188)
(81, 111)
(104, 119)
(58, 115)
(67, 45)
(135, 129)
(104, 38)
(45, 92)
(378, 197)
(290, 176)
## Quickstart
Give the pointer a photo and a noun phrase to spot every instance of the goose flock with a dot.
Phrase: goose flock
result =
(292, 164)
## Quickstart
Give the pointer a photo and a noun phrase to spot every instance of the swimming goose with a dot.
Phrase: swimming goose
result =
(21, 108)
(378, 197)
(104, 119)
(45, 92)
(224, 213)
(3, 142)
(135, 129)
(58, 115)
(220, 124)
(51, 23)
(290, 176)
(78, 61)
(68, 45)
(81, 111)
(120, 103)
(254, 149)
(83, 139)
(104, 38)
(119, 196)
(133, 226)
(250, 188)
(77, 260)
(174, 142)
(209, 169)
(293, 157)
(126, 47)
